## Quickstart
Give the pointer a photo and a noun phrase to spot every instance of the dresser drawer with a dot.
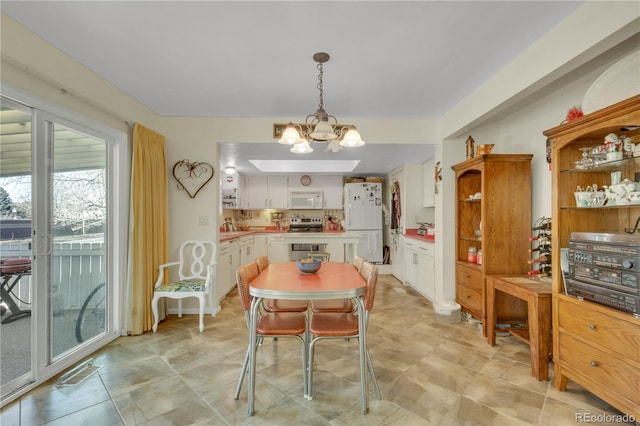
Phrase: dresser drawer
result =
(469, 298)
(582, 320)
(598, 366)
(469, 277)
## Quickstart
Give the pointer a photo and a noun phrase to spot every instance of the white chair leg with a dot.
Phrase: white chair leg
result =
(201, 313)
(154, 308)
(211, 304)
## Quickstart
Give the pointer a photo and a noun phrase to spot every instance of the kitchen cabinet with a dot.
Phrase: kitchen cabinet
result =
(332, 187)
(496, 221)
(234, 264)
(228, 263)
(428, 184)
(336, 250)
(242, 196)
(223, 269)
(594, 345)
(278, 250)
(266, 192)
(397, 256)
(420, 267)
(246, 250)
(260, 246)
(229, 191)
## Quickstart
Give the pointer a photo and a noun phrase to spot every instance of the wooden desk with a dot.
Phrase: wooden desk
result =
(537, 335)
(282, 280)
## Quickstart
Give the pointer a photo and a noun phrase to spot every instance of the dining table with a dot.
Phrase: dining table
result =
(283, 280)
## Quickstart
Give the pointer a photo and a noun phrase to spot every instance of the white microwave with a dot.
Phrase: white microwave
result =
(304, 200)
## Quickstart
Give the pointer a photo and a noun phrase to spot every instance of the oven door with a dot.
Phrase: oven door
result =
(301, 251)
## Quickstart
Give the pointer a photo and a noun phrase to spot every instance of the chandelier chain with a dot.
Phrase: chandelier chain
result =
(320, 86)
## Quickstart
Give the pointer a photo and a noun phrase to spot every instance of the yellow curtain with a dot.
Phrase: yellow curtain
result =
(148, 246)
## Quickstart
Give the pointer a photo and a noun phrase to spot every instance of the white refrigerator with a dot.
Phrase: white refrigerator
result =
(363, 214)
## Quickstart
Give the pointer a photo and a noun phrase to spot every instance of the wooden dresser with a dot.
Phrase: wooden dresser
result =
(594, 345)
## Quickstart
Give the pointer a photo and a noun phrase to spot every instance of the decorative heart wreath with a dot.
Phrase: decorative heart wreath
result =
(192, 177)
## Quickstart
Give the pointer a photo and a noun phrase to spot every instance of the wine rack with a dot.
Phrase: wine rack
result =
(540, 262)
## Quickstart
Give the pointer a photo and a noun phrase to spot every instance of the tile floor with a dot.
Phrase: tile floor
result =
(430, 373)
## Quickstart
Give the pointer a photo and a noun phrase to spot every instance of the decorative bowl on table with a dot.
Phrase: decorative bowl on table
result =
(309, 266)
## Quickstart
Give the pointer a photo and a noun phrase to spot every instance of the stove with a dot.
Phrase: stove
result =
(305, 224)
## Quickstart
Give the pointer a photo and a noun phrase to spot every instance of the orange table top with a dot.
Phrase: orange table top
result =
(334, 280)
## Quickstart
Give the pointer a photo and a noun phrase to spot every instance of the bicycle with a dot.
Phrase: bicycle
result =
(92, 316)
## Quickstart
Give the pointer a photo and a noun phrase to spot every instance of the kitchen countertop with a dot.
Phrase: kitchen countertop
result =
(226, 236)
(413, 234)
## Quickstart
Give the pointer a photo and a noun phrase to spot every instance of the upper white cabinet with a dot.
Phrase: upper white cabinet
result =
(332, 189)
(428, 184)
(266, 192)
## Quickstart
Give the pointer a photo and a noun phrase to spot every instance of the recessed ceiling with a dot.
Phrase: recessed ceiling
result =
(372, 159)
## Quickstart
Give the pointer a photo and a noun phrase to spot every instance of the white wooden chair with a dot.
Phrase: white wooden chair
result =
(196, 278)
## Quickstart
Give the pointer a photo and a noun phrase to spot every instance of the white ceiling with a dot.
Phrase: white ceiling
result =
(389, 59)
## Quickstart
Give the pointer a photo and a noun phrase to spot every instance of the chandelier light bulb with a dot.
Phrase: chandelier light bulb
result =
(290, 136)
(352, 139)
(323, 132)
(301, 148)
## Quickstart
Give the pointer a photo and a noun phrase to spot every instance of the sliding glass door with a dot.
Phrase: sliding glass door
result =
(60, 192)
(16, 291)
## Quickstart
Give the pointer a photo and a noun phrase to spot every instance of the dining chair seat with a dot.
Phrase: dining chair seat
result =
(333, 305)
(279, 305)
(280, 324)
(331, 324)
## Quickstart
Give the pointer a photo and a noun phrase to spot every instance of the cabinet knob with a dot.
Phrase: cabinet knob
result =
(593, 363)
(592, 326)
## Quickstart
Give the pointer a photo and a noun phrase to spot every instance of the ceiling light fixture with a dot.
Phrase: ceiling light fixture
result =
(229, 170)
(320, 126)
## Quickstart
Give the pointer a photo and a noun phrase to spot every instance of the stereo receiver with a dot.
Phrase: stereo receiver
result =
(605, 268)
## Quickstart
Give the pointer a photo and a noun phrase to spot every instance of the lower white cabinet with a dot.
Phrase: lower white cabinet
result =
(222, 269)
(336, 251)
(234, 264)
(278, 250)
(260, 246)
(246, 250)
(419, 267)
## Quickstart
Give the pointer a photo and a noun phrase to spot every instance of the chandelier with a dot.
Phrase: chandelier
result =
(320, 126)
